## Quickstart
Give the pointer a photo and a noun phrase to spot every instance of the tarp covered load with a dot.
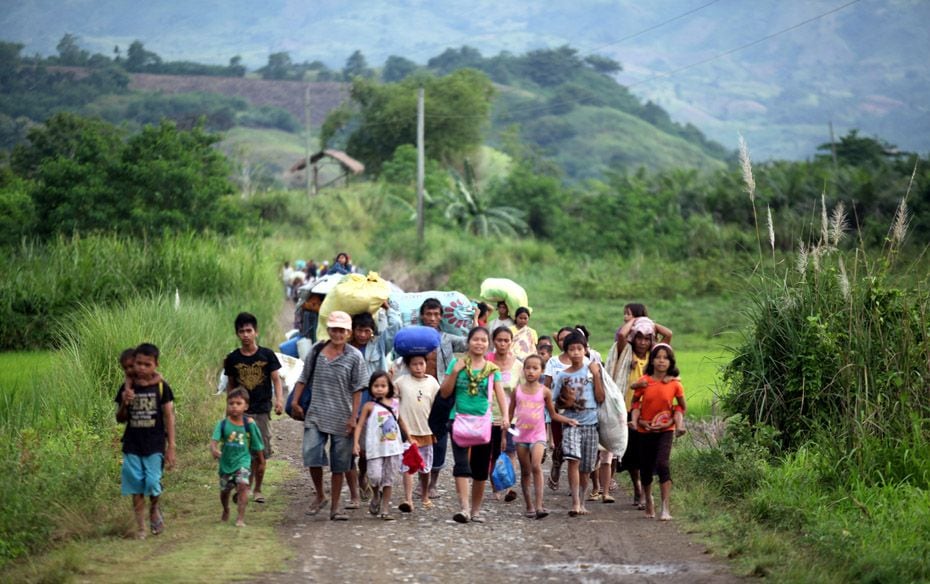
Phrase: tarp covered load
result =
(496, 290)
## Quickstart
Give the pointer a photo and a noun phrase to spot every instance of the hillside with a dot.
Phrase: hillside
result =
(287, 95)
(777, 70)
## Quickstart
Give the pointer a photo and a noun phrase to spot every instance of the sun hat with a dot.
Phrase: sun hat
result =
(339, 319)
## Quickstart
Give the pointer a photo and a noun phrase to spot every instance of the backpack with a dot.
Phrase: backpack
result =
(245, 423)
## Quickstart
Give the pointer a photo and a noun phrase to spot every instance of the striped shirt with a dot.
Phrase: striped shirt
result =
(332, 387)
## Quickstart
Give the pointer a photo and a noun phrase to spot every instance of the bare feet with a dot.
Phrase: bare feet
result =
(650, 508)
(225, 515)
(240, 523)
(665, 516)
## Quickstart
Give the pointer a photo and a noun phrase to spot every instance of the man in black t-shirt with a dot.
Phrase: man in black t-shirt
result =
(255, 369)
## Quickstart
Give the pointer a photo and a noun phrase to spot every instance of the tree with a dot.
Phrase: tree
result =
(279, 67)
(82, 176)
(856, 150)
(236, 68)
(602, 64)
(397, 69)
(453, 59)
(469, 209)
(550, 67)
(457, 108)
(356, 66)
(138, 59)
(69, 53)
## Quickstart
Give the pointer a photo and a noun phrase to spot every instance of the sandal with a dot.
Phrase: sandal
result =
(386, 517)
(428, 504)
(338, 517)
(365, 493)
(477, 518)
(607, 498)
(404, 508)
(510, 497)
(352, 505)
(374, 506)
(542, 513)
(315, 507)
(460, 517)
(553, 485)
(157, 524)
(258, 498)
(531, 513)
(595, 495)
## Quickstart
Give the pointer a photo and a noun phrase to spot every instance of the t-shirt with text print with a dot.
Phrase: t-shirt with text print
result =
(145, 429)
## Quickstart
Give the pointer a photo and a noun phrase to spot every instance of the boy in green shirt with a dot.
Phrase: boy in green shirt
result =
(233, 438)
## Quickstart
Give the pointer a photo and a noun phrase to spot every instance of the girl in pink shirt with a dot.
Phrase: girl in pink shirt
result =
(527, 410)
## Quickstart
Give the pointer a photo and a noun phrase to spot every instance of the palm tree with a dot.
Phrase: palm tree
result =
(469, 210)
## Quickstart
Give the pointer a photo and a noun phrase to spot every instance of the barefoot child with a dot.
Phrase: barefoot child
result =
(383, 445)
(417, 392)
(236, 439)
(531, 401)
(146, 406)
(653, 405)
(578, 390)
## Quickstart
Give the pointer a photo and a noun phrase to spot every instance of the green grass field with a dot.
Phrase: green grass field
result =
(20, 368)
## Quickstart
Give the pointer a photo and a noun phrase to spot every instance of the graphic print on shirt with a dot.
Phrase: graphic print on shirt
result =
(144, 410)
(387, 426)
(251, 375)
(577, 384)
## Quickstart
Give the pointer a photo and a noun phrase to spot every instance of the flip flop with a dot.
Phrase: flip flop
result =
(477, 518)
(542, 513)
(608, 499)
(315, 507)
(428, 504)
(510, 497)
(258, 498)
(374, 506)
(405, 507)
(157, 524)
(386, 517)
(338, 517)
(350, 505)
(460, 517)
(573, 513)
(530, 514)
(553, 485)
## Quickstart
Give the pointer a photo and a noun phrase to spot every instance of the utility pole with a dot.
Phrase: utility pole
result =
(420, 165)
(308, 130)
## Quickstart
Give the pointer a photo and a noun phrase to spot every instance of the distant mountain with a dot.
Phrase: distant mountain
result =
(863, 66)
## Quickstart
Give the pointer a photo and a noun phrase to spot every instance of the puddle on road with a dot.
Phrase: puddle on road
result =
(580, 568)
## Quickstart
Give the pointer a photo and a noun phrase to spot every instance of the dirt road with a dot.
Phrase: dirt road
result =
(615, 543)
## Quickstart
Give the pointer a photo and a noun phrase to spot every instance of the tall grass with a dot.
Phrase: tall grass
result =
(44, 283)
(59, 476)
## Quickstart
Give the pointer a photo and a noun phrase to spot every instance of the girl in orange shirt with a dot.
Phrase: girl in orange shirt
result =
(654, 419)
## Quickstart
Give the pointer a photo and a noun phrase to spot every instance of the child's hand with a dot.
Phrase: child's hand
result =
(594, 368)
(356, 451)
(459, 367)
(639, 384)
(169, 457)
(128, 395)
(572, 422)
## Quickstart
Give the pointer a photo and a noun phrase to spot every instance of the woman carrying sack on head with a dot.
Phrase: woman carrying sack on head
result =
(472, 379)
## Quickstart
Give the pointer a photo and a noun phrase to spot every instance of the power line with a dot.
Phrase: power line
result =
(653, 27)
(673, 72)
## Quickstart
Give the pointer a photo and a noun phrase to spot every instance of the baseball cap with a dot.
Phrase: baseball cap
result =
(339, 319)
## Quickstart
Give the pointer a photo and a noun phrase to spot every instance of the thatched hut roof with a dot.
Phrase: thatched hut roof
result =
(345, 161)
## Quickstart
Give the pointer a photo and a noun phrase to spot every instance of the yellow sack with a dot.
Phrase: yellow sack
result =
(501, 289)
(353, 294)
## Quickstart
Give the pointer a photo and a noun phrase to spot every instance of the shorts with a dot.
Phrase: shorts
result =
(604, 456)
(229, 482)
(314, 450)
(580, 443)
(381, 470)
(263, 423)
(530, 445)
(426, 452)
(141, 475)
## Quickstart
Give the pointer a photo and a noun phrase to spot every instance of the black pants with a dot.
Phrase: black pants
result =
(655, 448)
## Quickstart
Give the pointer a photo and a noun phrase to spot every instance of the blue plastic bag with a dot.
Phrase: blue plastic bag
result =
(503, 475)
